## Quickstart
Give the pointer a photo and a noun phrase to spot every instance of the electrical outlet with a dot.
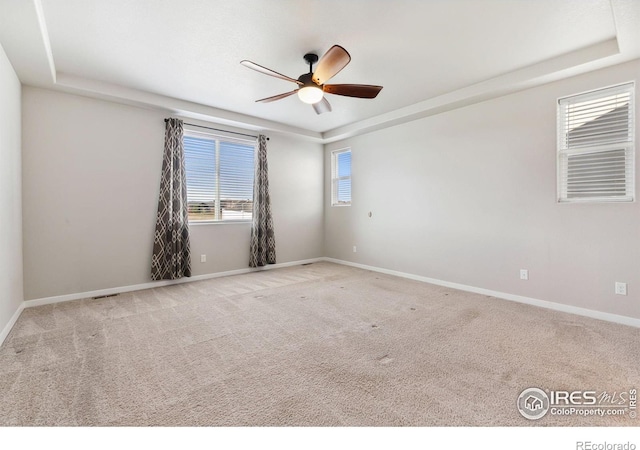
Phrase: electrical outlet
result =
(621, 288)
(203, 258)
(354, 249)
(524, 274)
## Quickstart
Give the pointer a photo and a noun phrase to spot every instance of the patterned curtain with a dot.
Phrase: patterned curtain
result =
(263, 241)
(171, 252)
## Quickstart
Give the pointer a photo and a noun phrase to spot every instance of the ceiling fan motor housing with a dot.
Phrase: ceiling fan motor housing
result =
(305, 79)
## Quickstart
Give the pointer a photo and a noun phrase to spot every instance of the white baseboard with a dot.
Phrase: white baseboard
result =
(7, 329)
(615, 318)
(157, 284)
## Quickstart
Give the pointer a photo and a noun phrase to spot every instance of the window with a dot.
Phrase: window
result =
(596, 145)
(219, 177)
(341, 178)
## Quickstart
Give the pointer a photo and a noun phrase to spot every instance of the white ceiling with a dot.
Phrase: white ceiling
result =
(430, 55)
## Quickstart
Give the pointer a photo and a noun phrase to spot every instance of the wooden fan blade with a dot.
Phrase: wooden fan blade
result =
(330, 64)
(322, 106)
(276, 97)
(353, 90)
(264, 70)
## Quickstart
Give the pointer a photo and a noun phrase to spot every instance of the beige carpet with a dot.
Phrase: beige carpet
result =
(320, 344)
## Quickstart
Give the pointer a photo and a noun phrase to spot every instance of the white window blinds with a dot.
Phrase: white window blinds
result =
(341, 178)
(219, 173)
(596, 133)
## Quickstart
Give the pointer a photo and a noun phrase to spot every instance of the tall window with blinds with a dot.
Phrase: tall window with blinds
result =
(596, 135)
(219, 173)
(341, 178)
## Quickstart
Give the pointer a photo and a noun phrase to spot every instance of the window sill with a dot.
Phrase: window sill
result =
(596, 200)
(219, 222)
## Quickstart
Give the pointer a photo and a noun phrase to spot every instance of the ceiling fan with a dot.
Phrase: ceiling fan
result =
(312, 87)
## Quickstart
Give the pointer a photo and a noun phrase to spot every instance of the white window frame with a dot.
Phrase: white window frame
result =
(218, 136)
(335, 180)
(626, 146)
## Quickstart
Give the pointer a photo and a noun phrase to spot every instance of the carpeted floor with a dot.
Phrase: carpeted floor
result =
(321, 345)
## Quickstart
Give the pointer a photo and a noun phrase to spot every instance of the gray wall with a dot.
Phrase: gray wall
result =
(11, 295)
(91, 172)
(469, 196)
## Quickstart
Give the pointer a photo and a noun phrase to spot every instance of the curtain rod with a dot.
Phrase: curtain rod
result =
(217, 129)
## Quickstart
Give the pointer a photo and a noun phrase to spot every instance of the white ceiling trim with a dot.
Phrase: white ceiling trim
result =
(46, 42)
(524, 78)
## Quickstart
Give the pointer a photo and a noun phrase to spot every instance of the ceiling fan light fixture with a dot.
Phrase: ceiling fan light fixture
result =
(310, 94)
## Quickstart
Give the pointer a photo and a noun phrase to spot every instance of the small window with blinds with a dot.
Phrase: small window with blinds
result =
(341, 178)
(596, 135)
(219, 174)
